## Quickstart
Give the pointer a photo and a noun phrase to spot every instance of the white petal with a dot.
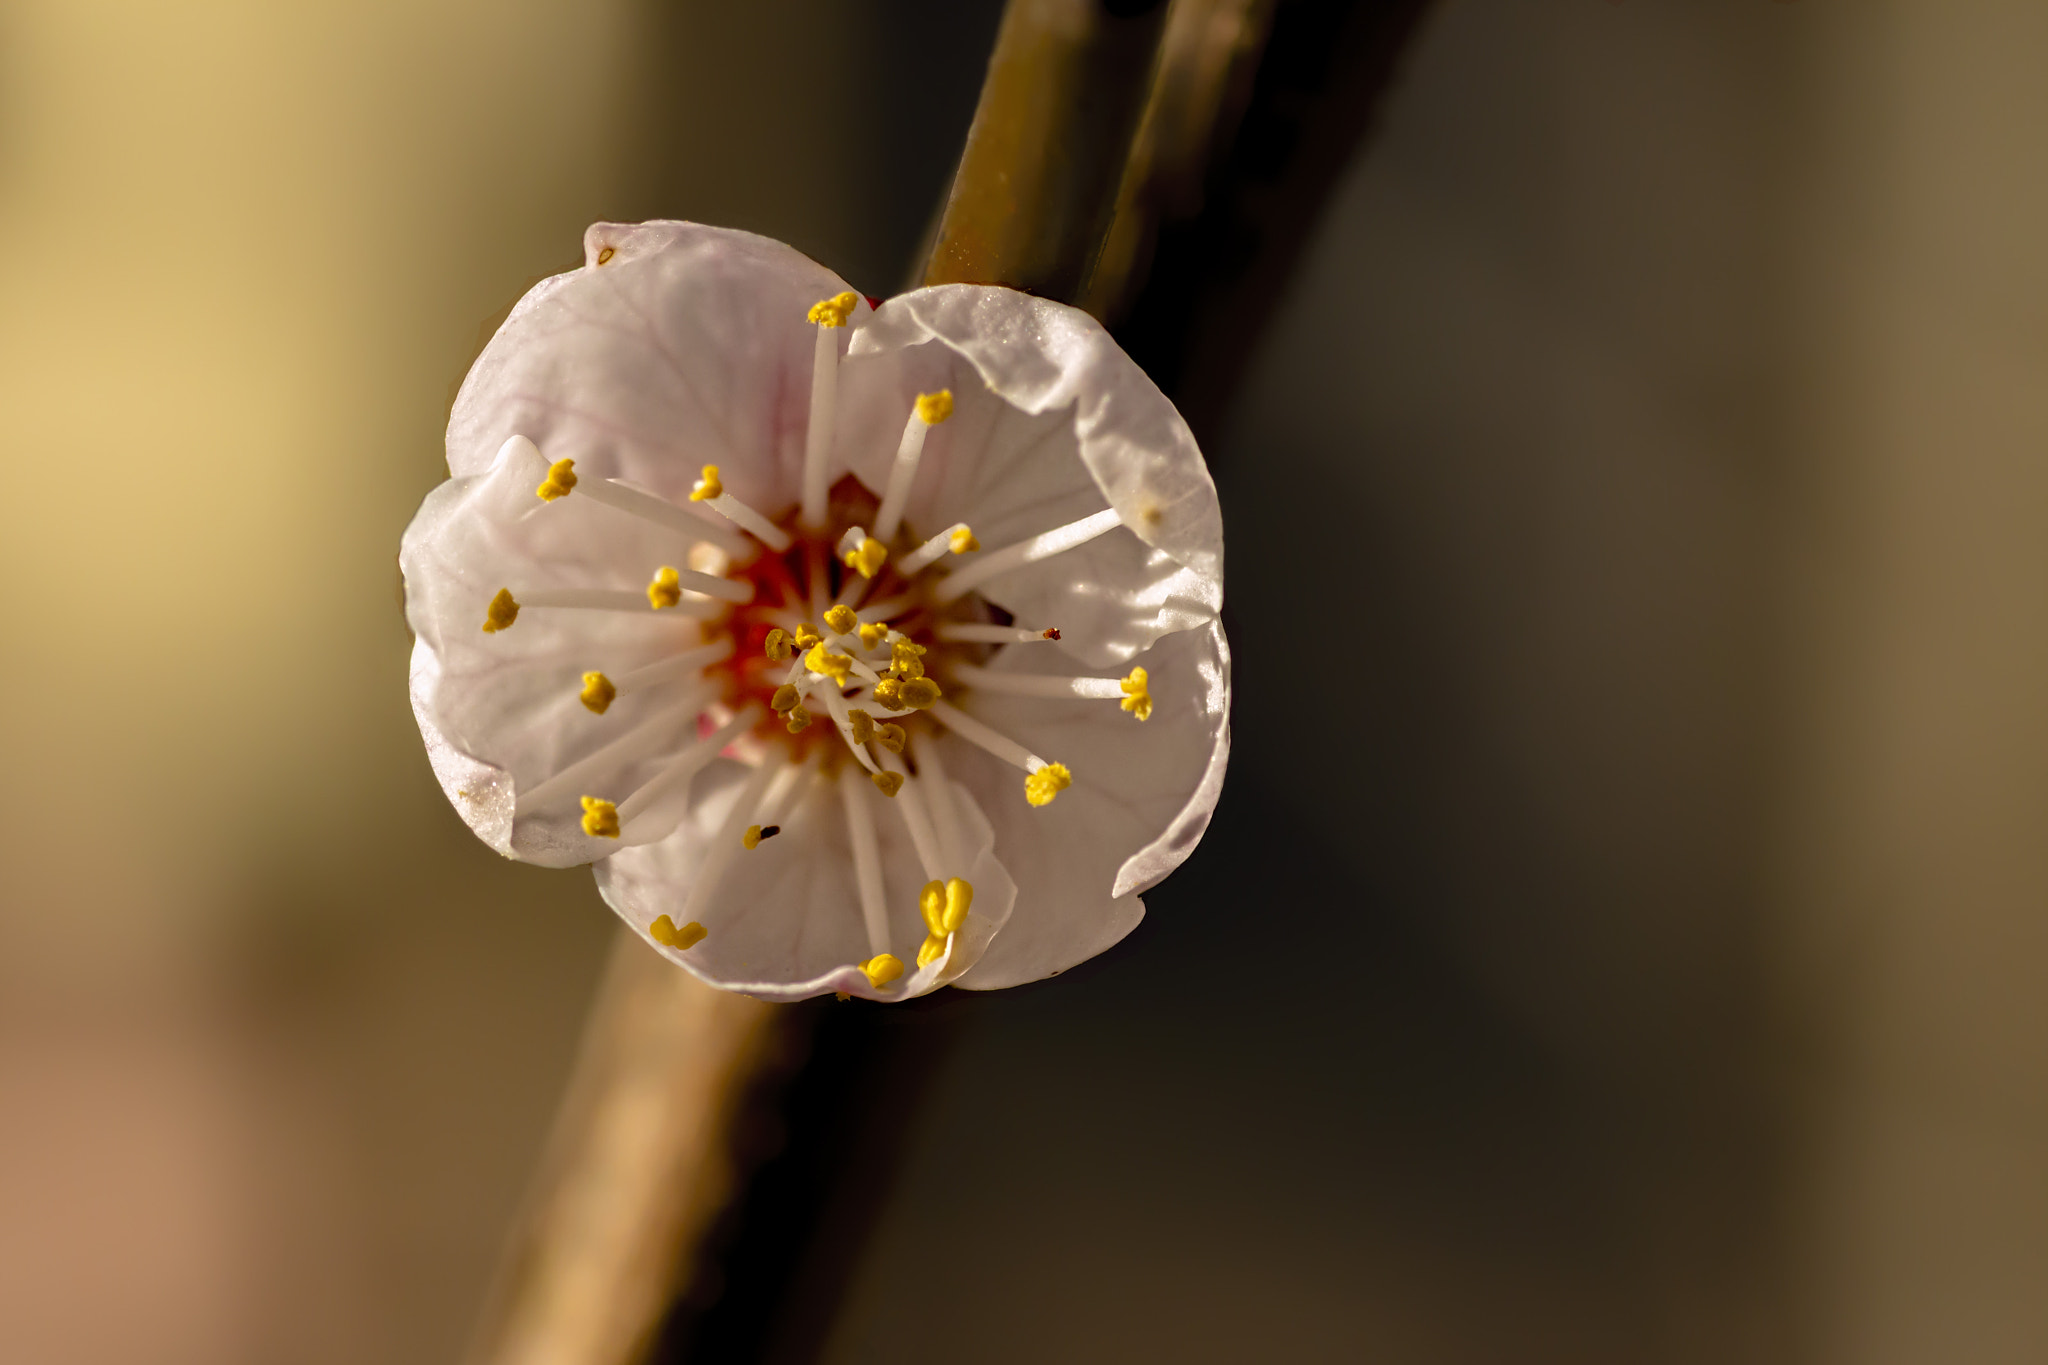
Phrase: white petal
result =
(508, 701)
(784, 923)
(1052, 421)
(1142, 795)
(688, 347)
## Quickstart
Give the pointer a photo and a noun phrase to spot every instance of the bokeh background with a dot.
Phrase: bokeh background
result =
(1648, 961)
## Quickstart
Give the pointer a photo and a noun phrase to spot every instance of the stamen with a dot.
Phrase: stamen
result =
(751, 840)
(891, 737)
(1131, 692)
(974, 632)
(797, 721)
(881, 969)
(888, 784)
(1043, 780)
(872, 634)
(865, 555)
(918, 694)
(736, 590)
(861, 726)
(843, 719)
(608, 599)
(955, 539)
(934, 787)
(842, 620)
(829, 665)
(684, 765)
(785, 699)
(598, 692)
(712, 494)
(561, 478)
(906, 658)
(600, 818)
(1042, 546)
(929, 410)
(1042, 786)
(867, 859)
(682, 665)
(917, 820)
(1137, 694)
(778, 646)
(664, 932)
(830, 315)
(730, 841)
(623, 497)
(502, 612)
(640, 737)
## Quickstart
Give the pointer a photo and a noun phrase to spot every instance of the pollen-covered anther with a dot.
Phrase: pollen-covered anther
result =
(944, 906)
(666, 589)
(906, 659)
(888, 784)
(960, 540)
(561, 478)
(860, 726)
(664, 932)
(751, 840)
(598, 692)
(841, 619)
(600, 818)
(707, 487)
(834, 312)
(867, 558)
(934, 408)
(891, 737)
(1042, 786)
(826, 664)
(502, 612)
(1137, 695)
(785, 700)
(807, 635)
(917, 694)
(881, 969)
(798, 720)
(889, 693)
(779, 646)
(873, 633)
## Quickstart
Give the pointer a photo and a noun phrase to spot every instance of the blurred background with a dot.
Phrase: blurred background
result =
(1656, 436)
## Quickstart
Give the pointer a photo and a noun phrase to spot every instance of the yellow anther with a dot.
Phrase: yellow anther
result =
(604, 257)
(930, 951)
(906, 660)
(807, 635)
(872, 634)
(888, 784)
(889, 693)
(664, 932)
(962, 541)
(502, 612)
(1137, 696)
(891, 737)
(918, 693)
(600, 818)
(834, 312)
(1042, 786)
(797, 720)
(931, 903)
(841, 619)
(666, 590)
(944, 906)
(860, 725)
(598, 692)
(881, 969)
(867, 558)
(707, 487)
(935, 407)
(778, 646)
(561, 478)
(756, 833)
(824, 662)
(785, 699)
(959, 900)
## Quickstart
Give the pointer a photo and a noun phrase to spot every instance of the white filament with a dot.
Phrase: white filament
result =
(726, 845)
(675, 666)
(1044, 545)
(931, 550)
(609, 599)
(685, 764)
(1037, 684)
(818, 436)
(901, 475)
(571, 778)
(623, 497)
(854, 794)
(974, 632)
(981, 736)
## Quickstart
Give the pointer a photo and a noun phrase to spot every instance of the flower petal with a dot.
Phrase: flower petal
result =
(1142, 795)
(784, 922)
(1052, 421)
(688, 346)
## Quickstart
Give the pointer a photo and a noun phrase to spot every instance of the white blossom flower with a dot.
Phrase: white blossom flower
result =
(862, 649)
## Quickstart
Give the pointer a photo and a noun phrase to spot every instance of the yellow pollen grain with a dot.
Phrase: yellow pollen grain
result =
(797, 720)
(561, 478)
(666, 589)
(919, 693)
(834, 312)
(872, 634)
(891, 737)
(1137, 695)
(888, 784)
(935, 408)
(785, 699)
(962, 541)
(824, 662)
(778, 646)
(604, 257)
(1042, 786)
(842, 620)
(664, 932)
(906, 660)
(881, 969)
(600, 818)
(502, 612)
(807, 635)
(598, 692)
(707, 487)
(860, 725)
(867, 558)
(889, 693)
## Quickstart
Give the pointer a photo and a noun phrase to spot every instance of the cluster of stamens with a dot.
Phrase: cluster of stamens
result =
(799, 624)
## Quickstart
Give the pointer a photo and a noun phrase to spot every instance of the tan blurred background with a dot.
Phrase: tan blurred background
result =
(1661, 408)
